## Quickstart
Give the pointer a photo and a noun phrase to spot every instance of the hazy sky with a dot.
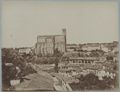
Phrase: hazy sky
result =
(85, 22)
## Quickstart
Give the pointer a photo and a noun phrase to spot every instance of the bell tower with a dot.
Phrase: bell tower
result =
(64, 33)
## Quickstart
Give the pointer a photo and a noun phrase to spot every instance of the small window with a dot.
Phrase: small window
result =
(88, 61)
(73, 61)
(79, 61)
(82, 61)
(85, 61)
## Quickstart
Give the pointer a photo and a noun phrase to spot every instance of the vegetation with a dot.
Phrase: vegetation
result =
(14, 59)
(57, 55)
(43, 60)
(91, 82)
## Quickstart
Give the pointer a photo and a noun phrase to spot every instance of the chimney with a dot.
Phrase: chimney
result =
(64, 31)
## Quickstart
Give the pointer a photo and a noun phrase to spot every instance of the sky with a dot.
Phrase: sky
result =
(86, 22)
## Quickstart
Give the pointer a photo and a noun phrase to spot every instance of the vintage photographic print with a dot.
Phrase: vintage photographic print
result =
(60, 45)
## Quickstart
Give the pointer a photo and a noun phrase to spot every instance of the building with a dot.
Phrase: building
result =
(72, 47)
(91, 46)
(26, 50)
(104, 48)
(82, 60)
(47, 44)
(78, 64)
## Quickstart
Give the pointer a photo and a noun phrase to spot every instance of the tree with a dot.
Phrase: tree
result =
(57, 55)
(91, 82)
(11, 56)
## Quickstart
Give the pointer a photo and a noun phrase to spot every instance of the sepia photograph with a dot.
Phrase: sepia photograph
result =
(60, 45)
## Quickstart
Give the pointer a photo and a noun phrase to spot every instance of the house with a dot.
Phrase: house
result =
(91, 46)
(25, 50)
